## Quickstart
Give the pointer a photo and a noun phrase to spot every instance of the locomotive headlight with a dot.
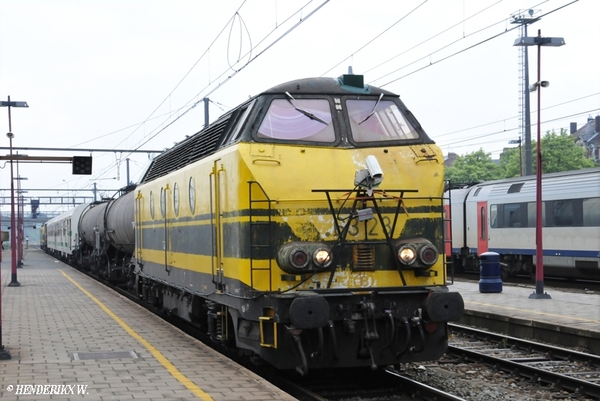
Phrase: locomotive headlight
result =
(322, 257)
(298, 258)
(428, 255)
(301, 257)
(407, 254)
(416, 253)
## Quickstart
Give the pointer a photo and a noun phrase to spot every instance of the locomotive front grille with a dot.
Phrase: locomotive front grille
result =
(363, 257)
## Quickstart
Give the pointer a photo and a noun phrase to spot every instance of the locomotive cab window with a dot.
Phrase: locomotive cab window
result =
(376, 120)
(298, 120)
(235, 133)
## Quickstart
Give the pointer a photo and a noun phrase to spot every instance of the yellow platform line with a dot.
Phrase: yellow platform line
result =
(156, 353)
(529, 311)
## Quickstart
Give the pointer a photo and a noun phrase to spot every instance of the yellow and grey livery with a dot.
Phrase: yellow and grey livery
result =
(305, 227)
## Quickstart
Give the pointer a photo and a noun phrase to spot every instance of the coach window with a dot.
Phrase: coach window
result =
(298, 120)
(176, 199)
(494, 216)
(531, 214)
(564, 213)
(512, 215)
(376, 121)
(591, 212)
(483, 223)
(151, 205)
(192, 192)
(163, 201)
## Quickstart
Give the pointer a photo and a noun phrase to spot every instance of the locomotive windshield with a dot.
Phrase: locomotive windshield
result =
(298, 119)
(374, 121)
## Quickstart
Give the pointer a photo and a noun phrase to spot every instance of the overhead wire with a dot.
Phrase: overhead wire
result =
(512, 117)
(237, 71)
(189, 71)
(432, 37)
(376, 36)
(187, 106)
(487, 135)
(464, 49)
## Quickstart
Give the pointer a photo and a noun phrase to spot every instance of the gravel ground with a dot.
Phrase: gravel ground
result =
(477, 382)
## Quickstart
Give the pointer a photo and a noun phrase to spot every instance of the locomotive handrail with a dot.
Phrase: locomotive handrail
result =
(253, 245)
(362, 196)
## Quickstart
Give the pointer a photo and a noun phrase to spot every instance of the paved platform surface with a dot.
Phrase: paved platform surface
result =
(59, 318)
(575, 312)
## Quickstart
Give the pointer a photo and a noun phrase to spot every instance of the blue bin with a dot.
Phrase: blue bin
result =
(489, 272)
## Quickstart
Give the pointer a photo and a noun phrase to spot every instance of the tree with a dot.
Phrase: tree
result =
(511, 163)
(559, 153)
(473, 167)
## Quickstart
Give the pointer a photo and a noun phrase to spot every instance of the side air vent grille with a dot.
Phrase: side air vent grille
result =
(194, 148)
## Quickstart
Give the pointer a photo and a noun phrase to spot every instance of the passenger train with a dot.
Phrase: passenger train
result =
(500, 216)
(304, 227)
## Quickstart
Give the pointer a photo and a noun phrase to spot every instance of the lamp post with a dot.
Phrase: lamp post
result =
(4, 353)
(13, 231)
(20, 218)
(539, 41)
(13, 239)
(513, 142)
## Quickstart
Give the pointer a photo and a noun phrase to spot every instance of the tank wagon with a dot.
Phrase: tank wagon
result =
(500, 216)
(97, 237)
(107, 237)
(304, 227)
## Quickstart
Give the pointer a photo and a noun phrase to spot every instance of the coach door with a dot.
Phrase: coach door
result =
(216, 205)
(482, 228)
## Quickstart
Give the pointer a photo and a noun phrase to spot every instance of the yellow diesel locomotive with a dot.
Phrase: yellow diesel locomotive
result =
(304, 227)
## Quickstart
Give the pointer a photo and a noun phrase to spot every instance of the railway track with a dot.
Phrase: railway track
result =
(555, 367)
(355, 384)
(546, 365)
(359, 385)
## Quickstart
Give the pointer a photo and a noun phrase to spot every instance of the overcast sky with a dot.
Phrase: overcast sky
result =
(124, 74)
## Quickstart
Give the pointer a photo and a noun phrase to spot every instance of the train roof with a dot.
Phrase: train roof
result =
(547, 176)
(210, 139)
(343, 85)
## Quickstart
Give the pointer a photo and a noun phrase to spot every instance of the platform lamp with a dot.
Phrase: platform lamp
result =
(4, 354)
(13, 239)
(539, 41)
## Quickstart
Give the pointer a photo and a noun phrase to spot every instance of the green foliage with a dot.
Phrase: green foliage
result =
(559, 153)
(473, 167)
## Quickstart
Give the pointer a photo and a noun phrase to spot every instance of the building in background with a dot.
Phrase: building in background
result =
(588, 137)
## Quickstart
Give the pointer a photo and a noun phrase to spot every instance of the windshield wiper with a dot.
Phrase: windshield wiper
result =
(306, 113)
(372, 111)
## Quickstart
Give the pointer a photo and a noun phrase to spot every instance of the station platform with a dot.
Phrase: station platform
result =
(568, 318)
(71, 338)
